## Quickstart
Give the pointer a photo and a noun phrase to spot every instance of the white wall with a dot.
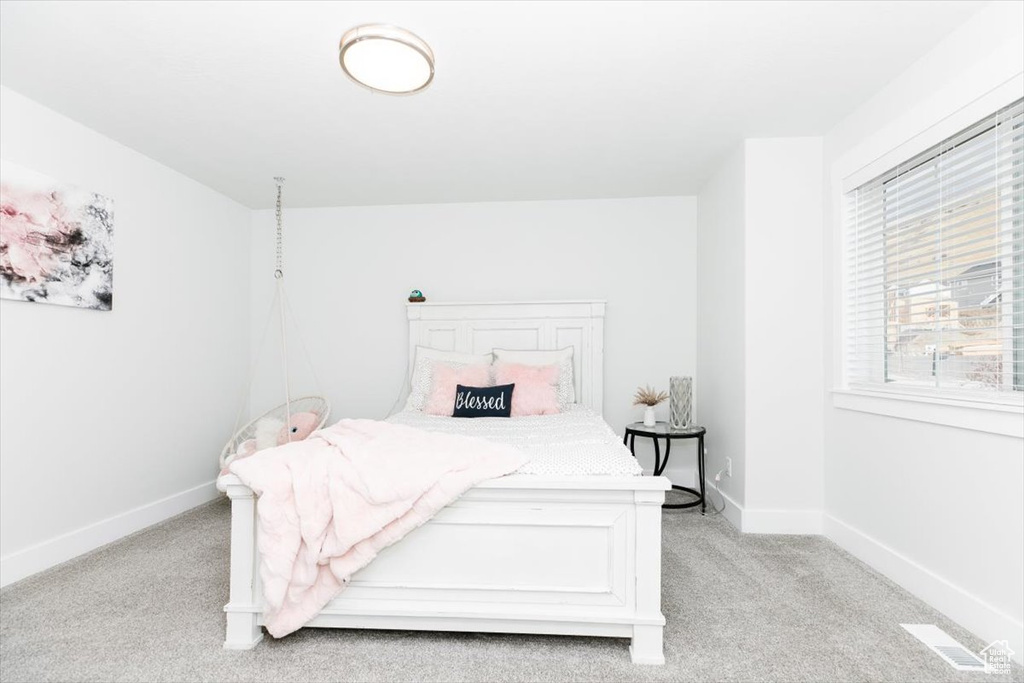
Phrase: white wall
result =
(784, 438)
(759, 335)
(939, 509)
(721, 341)
(349, 271)
(111, 421)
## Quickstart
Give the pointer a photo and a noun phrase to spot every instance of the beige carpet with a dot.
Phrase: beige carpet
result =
(739, 608)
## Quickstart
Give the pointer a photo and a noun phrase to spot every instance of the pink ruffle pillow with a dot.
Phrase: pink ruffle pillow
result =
(536, 391)
(441, 400)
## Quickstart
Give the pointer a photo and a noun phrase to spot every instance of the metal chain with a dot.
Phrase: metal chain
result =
(279, 270)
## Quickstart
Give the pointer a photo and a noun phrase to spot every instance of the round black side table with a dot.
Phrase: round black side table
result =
(662, 430)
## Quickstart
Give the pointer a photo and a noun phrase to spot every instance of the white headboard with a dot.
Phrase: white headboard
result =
(525, 325)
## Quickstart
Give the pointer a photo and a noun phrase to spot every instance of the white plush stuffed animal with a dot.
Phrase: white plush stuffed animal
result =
(267, 431)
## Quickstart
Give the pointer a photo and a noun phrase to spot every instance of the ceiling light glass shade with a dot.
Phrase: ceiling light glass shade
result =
(387, 59)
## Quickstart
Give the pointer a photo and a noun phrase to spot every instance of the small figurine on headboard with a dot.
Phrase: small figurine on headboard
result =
(416, 296)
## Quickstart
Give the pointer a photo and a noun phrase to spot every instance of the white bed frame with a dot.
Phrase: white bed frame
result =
(519, 554)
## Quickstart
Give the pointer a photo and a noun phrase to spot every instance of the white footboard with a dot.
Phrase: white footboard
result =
(520, 554)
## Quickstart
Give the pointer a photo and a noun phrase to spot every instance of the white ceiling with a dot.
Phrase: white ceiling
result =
(532, 100)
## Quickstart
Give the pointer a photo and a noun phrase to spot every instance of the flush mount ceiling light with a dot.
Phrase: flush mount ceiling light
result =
(386, 59)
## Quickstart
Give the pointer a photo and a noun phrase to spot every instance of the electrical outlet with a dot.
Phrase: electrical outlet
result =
(728, 467)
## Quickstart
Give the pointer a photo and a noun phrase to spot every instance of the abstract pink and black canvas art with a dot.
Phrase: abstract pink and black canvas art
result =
(56, 241)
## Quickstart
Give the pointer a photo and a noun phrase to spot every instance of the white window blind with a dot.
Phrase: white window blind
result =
(934, 259)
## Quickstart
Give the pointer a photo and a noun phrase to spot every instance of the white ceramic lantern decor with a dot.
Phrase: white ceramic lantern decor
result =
(680, 402)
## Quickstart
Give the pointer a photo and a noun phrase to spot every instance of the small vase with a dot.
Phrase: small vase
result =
(649, 420)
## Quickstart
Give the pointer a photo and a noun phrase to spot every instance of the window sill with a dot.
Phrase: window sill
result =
(993, 418)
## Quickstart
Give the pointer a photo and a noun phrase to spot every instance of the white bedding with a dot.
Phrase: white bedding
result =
(575, 442)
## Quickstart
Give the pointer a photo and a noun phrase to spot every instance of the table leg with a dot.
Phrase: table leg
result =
(700, 472)
(664, 463)
(657, 457)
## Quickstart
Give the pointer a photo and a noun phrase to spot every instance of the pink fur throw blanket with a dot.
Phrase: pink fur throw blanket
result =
(329, 504)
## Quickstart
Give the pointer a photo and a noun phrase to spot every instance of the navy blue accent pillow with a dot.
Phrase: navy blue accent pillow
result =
(483, 401)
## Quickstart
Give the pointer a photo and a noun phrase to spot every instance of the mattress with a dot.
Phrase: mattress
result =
(573, 443)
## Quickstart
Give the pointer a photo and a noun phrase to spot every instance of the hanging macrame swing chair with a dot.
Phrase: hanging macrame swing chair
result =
(296, 417)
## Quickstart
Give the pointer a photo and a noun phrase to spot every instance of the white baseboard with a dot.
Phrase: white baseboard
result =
(751, 521)
(984, 620)
(22, 563)
(732, 511)
(804, 522)
(681, 476)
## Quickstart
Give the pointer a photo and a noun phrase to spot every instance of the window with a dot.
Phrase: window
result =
(934, 268)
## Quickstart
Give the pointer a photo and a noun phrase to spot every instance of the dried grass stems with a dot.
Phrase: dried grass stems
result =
(646, 396)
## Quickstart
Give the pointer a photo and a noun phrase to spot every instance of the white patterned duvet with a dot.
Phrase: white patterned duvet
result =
(576, 442)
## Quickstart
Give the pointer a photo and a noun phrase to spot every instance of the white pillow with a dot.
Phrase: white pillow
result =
(566, 386)
(423, 371)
